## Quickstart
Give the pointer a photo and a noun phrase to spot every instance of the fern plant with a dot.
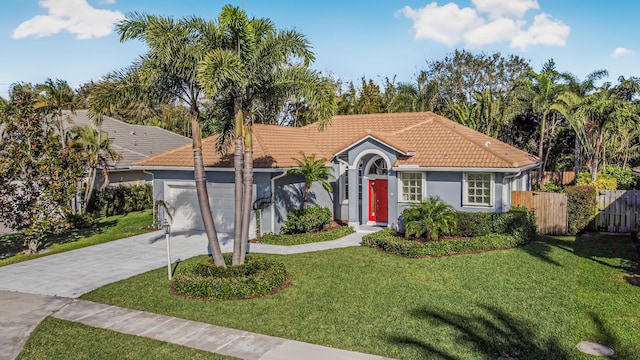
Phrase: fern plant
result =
(429, 219)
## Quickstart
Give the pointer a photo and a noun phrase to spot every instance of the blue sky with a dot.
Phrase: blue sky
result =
(74, 39)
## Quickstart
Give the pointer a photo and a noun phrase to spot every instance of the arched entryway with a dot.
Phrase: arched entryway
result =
(376, 173)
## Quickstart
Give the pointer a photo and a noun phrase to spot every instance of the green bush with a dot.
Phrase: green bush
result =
(81, 221)
(257, 276)
(553, 187)
(390, 241)
(624, 177)
(472, 224)
(429, 218)
(582, 205)
(296, 239)
(121, 200)
(309, 219)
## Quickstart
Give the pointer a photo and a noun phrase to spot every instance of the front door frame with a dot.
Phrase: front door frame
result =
(378, 211)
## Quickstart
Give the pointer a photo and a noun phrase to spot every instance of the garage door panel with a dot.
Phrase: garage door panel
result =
(182, 198)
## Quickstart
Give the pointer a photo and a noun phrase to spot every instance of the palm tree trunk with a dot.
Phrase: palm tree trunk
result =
(89, 190)
(237, 221)
(596, 157)
(203, 194)
(543, 126)
(248, 193)
(576, 159)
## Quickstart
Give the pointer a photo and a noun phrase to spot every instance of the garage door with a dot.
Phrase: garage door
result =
(182, 198)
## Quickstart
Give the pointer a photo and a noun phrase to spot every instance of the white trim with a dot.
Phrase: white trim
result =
(406, 153)
(463, 169)
(400, 181)
(465, 190)
(368, 152)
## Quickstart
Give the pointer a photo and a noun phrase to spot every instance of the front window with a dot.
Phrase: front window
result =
(411, 186)
(379, 167)
(478, 189)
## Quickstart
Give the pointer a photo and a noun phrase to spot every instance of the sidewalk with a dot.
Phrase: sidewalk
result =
(35, 289)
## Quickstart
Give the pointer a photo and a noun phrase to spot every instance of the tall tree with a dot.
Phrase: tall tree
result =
(167, 72)
(97, 152)
(313, 170)
(38, 175)
(255, 64)
(415, 97)
(53, 97)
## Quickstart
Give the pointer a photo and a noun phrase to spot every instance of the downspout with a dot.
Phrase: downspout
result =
(504, 182)
(273, 199)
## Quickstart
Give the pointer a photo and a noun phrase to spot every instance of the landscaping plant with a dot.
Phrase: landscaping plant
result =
(430, 219)
(310, 219)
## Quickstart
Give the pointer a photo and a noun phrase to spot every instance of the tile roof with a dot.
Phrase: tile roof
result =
(133, 142)
(427, 139)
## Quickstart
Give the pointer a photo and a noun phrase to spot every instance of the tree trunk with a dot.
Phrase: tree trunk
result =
(237, 220)
(248, 193)
(543, 126)
(576, 159)
(203, 194)
(305, 196)
(596, 157)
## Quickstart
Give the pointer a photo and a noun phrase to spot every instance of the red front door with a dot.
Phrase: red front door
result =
(378, 201)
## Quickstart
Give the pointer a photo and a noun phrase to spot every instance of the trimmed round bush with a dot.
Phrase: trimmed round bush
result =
(257, 276)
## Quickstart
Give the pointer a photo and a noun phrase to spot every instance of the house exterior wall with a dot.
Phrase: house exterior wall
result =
(288, 195)
(123, 177)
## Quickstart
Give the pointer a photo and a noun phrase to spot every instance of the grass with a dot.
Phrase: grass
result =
(61, 339)
(107, 229)
(297, 239)
(534, 302)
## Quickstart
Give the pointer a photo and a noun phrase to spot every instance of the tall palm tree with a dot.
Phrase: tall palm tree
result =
(96, 150)
(254, 64)
(313, 170)
(540, 92)
(55, 96)
(417, 97)
(167, 73)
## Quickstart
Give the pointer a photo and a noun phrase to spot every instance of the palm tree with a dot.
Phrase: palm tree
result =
(415, 97)
(167, 74)
(540, 92)
(52, 99)
(313, 170)
(96, 149)
(253, 64)
(432, 218)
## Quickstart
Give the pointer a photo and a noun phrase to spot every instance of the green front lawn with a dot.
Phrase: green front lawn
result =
(61, 339)
(107, 229)
(534, 302)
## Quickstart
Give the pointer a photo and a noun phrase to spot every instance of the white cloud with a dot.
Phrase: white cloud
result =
(74, 16)
(487, 22)
(545, 30)
(445, 24)
(621, 51)
(499, 30)
(500, 8)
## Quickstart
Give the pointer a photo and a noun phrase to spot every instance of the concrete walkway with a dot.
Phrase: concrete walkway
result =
(35, 289)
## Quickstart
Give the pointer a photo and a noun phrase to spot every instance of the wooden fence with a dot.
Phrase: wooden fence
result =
(550, 209)
(618, 210)
(564, 178)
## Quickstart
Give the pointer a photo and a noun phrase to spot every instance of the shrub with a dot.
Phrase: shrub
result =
(473, 224)
(81, 221)
(603, 181)
(582, 205)
(257, 276)
(429, 218)
(624, 177)
(296, 239)
(121, 200)
(390, 241)
(309, 219)
(553, 187)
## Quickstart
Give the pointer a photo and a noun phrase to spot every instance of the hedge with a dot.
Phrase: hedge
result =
(390, 241)
(582, 204)
(257, 276)
(296, 239)
(480, 231)
(121, 200)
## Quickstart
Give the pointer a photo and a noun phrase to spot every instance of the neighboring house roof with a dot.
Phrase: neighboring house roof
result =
(133, 142)
(423, 139)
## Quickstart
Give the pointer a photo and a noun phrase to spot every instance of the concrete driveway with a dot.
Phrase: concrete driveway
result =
(73, 273)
